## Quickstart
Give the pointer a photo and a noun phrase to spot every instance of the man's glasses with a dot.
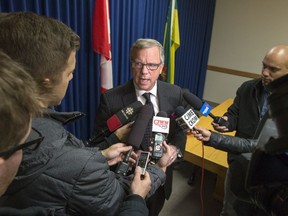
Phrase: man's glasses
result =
(6, 154)
(149, 66)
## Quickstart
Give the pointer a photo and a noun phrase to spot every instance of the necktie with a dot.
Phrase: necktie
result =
(148, 133)
(148, 99)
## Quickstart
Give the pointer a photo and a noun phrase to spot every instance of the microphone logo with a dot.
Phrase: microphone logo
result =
(164, 124)
(129, 111)
(205, 109)
(160, 124)
(188, 120)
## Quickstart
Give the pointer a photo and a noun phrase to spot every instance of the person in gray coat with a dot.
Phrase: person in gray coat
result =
(62, 173)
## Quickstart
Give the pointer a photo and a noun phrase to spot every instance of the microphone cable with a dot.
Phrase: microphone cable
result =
(202, 181)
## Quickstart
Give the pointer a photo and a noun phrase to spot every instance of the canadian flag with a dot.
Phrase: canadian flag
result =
(101, 42)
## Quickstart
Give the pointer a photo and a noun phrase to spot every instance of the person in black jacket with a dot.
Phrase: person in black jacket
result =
(62, 174)
(248, 108)
(147, 62)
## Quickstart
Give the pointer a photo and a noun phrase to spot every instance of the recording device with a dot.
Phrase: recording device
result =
(123, 116)
(124, 166)
(160, 130)
(204, 108)
(143, 161)
(135, 137)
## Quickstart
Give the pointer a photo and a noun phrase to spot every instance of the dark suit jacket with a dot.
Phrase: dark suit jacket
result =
(169, 97)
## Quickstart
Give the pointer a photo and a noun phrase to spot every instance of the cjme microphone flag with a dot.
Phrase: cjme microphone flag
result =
(171, 42)
(101, 42)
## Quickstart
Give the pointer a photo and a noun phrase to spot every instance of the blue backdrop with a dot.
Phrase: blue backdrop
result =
(130, 20)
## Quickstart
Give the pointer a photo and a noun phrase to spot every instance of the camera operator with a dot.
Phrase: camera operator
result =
(267, 176)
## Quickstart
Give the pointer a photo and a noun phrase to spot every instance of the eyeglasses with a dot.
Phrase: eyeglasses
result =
(6, 154)
(149, 66)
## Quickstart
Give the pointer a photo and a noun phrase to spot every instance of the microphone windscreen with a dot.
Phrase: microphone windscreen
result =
(193, 100)
(139, 127)
(179, 111)
(123, 116)
(162, 114)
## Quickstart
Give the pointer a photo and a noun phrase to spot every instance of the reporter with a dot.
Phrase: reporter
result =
(62, 173)
(275, 65)
(18, 105)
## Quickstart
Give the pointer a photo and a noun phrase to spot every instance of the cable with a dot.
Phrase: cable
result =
(202, 181)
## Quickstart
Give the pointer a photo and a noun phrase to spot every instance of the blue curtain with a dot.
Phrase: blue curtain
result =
(130, 20)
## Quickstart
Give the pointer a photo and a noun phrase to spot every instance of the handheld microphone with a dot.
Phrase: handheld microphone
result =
(160, 130)
(204, 108)
(179, 111)
(116, 121)
(187, 120)
(138, 128)
(135, 137)
(123, 116)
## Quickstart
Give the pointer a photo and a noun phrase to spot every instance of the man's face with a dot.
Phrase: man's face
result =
(274, 66)
(144, 78)
(60, 89)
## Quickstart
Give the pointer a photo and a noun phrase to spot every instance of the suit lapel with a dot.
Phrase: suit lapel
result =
(162, 94)
(129, 95)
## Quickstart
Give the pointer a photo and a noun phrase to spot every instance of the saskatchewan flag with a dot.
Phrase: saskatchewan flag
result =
(171, 42)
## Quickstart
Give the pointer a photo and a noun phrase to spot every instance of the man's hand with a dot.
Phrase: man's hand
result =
(116, 153)
(200, 133)
(123, 132)
(169, 156)
(219, 128)
(141, 184)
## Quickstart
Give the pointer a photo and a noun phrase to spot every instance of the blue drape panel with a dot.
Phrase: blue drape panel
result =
(195, 23)
(129, 20)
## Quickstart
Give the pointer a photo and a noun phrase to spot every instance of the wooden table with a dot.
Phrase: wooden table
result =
(214, 160)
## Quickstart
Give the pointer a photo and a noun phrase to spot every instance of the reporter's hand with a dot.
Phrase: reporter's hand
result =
(123, 132)
(116, 153)
(219, 128)
(169, 156)
(201, 134)
(141, 184)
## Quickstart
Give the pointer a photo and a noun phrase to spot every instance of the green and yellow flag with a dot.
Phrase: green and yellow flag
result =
(171, 42)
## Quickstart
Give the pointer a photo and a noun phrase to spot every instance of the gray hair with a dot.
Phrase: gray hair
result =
(143, 43)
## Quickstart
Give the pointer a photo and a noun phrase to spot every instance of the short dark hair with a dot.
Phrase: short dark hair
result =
(41, 44)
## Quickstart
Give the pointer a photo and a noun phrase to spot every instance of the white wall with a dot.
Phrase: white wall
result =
(243, 31)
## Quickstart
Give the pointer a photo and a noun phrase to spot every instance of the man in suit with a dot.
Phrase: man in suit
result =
(147, 58)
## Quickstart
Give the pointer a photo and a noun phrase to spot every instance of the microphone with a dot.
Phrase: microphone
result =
(117, 120)
(135, 137)
(160, 130)
(138, 128)
(204, 108)
(179, 111)
(123, 116)
(187, 119)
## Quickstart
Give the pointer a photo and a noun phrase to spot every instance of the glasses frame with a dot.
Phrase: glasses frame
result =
(8, 153)
(147, 65)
